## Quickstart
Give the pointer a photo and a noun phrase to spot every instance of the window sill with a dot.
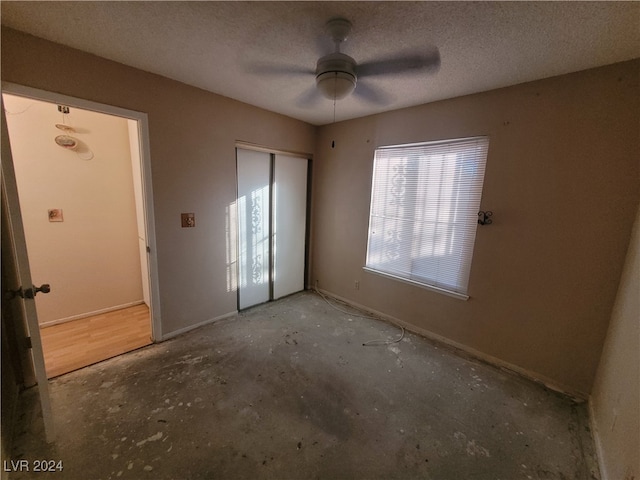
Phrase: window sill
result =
(449, 293)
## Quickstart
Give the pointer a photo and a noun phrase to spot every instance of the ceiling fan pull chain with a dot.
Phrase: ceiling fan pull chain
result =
(334, 110)
(334, 100)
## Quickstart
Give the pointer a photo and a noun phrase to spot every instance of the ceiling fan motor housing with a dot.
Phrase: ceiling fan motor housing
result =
(336, 75)
(338, 29)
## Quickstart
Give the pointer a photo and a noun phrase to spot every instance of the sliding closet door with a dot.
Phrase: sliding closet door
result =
(289, 224)
(254, 179)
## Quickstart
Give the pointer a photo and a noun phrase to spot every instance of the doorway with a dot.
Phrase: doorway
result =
(272, 225)
(81, 188)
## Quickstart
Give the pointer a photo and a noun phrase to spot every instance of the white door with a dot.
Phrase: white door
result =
(289, 224)
(272, 218)
(254, 235)
(22, 280)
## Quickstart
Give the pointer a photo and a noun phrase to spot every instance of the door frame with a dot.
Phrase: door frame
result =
(143, 134)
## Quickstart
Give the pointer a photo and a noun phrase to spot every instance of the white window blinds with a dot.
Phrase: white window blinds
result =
(424, 211)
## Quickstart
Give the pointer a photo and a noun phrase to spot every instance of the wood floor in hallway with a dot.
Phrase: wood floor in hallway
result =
(72, 345)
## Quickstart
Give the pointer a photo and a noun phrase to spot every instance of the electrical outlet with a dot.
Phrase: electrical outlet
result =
(357, 284)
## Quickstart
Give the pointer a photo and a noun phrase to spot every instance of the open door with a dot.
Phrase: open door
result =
(18, 287)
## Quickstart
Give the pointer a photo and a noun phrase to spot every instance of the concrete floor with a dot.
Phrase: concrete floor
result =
(287, 391)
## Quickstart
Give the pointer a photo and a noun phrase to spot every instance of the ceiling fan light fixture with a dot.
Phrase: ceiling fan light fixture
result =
(335, 85)
(336, 75)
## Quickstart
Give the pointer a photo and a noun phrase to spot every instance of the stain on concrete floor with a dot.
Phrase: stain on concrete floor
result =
(286, 390)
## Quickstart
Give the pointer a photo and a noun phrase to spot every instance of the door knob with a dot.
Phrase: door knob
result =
(44, 288)
(28, 293)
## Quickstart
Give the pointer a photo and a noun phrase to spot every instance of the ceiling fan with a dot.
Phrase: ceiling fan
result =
(338, 75)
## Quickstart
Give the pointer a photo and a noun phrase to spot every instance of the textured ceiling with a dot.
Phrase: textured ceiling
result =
(218, 46)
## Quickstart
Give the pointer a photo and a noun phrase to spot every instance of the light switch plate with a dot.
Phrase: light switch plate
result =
(188, 220)
(55, 215)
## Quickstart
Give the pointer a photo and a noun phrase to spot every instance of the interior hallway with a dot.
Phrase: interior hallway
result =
(71, 345)
(287, 390)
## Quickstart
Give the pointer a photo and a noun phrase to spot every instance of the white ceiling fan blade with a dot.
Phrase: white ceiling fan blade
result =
(422, 61)
(263, 68)
(309, 97)
(371, 94)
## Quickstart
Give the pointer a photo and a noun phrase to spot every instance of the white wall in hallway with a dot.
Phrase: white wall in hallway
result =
(91, 258)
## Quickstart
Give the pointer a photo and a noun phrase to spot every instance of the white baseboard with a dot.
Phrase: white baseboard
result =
(91, 314)
(541, 379)
(180, 331)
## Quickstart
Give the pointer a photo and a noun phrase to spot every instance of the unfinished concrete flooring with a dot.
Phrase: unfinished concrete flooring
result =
(287, 391)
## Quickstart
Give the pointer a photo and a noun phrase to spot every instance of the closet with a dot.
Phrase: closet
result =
(272, 225)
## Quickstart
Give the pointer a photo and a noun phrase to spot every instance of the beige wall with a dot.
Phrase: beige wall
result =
(615, 401)
(562, 181)
(192, 148)
(90, 259)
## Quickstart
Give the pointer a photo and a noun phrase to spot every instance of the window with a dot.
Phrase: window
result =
(424, 209)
